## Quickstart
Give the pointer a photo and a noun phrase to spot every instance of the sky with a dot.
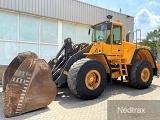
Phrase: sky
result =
(146, 13)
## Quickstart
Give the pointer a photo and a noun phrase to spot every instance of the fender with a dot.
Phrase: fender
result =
(145, 54)
(102, 58)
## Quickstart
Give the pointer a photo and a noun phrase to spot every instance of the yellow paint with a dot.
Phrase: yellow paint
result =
(65, 72)
(145, 74)
(92, 79)
(115, 74)
(99, 57)
(118, 54)
(158, 66)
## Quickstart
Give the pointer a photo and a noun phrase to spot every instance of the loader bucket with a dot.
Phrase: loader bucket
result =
(27, 85)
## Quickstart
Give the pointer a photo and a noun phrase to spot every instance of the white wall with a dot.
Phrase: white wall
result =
(23, 32)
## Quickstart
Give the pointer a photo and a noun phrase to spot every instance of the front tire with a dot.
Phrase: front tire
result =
(87, 79)
(141, 74)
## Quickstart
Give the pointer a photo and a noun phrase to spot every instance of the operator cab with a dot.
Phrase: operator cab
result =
(108, 32)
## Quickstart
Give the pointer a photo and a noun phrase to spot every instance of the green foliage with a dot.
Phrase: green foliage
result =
(152, 40)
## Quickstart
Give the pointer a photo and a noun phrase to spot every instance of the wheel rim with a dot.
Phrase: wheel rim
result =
(92, 79)
(145, 74)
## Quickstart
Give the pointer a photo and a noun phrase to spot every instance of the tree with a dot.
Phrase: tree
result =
(153, 41)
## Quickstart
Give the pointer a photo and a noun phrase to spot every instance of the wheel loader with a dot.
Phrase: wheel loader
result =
(85, 68)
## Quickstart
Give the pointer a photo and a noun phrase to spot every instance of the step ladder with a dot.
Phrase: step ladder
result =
(122, 66)
(123, 69)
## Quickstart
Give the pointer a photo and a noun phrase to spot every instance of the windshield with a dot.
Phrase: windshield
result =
(101, 32)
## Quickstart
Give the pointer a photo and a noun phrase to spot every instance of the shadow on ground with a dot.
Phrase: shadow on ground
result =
(67, 100)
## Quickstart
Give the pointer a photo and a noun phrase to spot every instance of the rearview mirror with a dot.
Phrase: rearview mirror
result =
(127, 36)
(89, 31)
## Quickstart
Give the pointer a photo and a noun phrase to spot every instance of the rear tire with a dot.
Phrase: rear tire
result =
(87, 79)
(141, 74)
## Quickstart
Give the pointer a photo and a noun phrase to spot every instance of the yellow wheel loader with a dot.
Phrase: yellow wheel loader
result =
(86, 68)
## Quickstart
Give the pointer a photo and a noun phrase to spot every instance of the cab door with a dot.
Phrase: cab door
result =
(116, 39)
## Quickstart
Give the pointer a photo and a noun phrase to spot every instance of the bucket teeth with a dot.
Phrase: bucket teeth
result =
(27, 85)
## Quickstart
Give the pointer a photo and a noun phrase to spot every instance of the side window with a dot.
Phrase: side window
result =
(107, 37)
(116, 35)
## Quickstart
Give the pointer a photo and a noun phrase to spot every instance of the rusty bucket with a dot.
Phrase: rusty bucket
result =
(27, 85)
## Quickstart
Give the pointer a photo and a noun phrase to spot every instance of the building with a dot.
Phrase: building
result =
(41, 25)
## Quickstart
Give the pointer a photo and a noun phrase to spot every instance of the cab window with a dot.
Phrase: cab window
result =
(116, 34)
(101, 32)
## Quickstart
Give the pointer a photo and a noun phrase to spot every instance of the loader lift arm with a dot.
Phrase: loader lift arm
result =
(68, 54)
